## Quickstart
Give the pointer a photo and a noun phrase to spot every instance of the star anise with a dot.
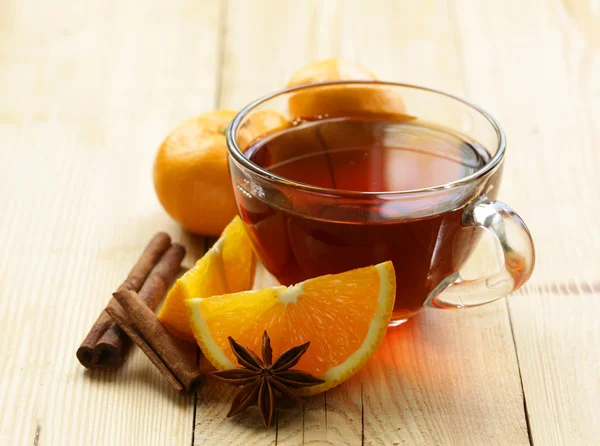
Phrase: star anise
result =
(263, 380)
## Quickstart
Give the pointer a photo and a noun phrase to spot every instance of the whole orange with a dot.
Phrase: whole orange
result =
(331, 69)
(191, 176)
(340, 101)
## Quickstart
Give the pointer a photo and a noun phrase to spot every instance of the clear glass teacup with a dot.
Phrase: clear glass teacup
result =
(303, 228)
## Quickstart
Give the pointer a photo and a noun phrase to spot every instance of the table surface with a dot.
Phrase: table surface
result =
(89, 89)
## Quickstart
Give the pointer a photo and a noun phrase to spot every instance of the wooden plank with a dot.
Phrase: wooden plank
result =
(258, 59)
(258, 55)
(433, 378)
(87, 93)
(549, 106)
(261, 54)
(558, 343)
(446, 378)
(212, 427)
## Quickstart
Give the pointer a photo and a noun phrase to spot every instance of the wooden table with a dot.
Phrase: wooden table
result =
(89, 89)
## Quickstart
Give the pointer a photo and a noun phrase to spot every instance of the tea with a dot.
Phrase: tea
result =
(363, 155)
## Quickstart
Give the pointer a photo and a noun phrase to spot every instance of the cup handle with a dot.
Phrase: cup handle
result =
(518, 254)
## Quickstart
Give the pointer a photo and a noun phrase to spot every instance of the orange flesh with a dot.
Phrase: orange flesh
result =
(228, 267)
(332, 312)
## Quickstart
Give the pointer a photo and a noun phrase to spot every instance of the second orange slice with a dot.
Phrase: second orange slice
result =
(228, 267)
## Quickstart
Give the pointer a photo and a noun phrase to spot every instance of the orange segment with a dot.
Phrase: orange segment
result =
(344, 316)
(228, 267)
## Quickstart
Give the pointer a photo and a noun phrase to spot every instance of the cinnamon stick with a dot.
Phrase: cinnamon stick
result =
(114, 344)
(106, 345)
(143, 327)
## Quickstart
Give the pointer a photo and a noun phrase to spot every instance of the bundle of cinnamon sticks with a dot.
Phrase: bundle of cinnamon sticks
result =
(129, 316)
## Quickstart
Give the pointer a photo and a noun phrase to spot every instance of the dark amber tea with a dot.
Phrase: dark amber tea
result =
(363, 155)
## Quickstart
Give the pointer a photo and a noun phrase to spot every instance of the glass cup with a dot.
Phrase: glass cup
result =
(301, 231)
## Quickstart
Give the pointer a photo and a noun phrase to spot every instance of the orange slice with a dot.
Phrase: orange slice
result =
(228, 267)
(344, 316)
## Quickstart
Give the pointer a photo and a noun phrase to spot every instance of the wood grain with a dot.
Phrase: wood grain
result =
(87, 92)
(558, 339)
(549, 108)
(430, 376)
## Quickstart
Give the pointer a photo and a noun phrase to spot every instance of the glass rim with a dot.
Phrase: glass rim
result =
(238, 155)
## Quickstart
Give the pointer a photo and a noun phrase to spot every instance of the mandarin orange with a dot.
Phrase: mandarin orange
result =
(259, 124)
(340, 101)
(191, 175)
